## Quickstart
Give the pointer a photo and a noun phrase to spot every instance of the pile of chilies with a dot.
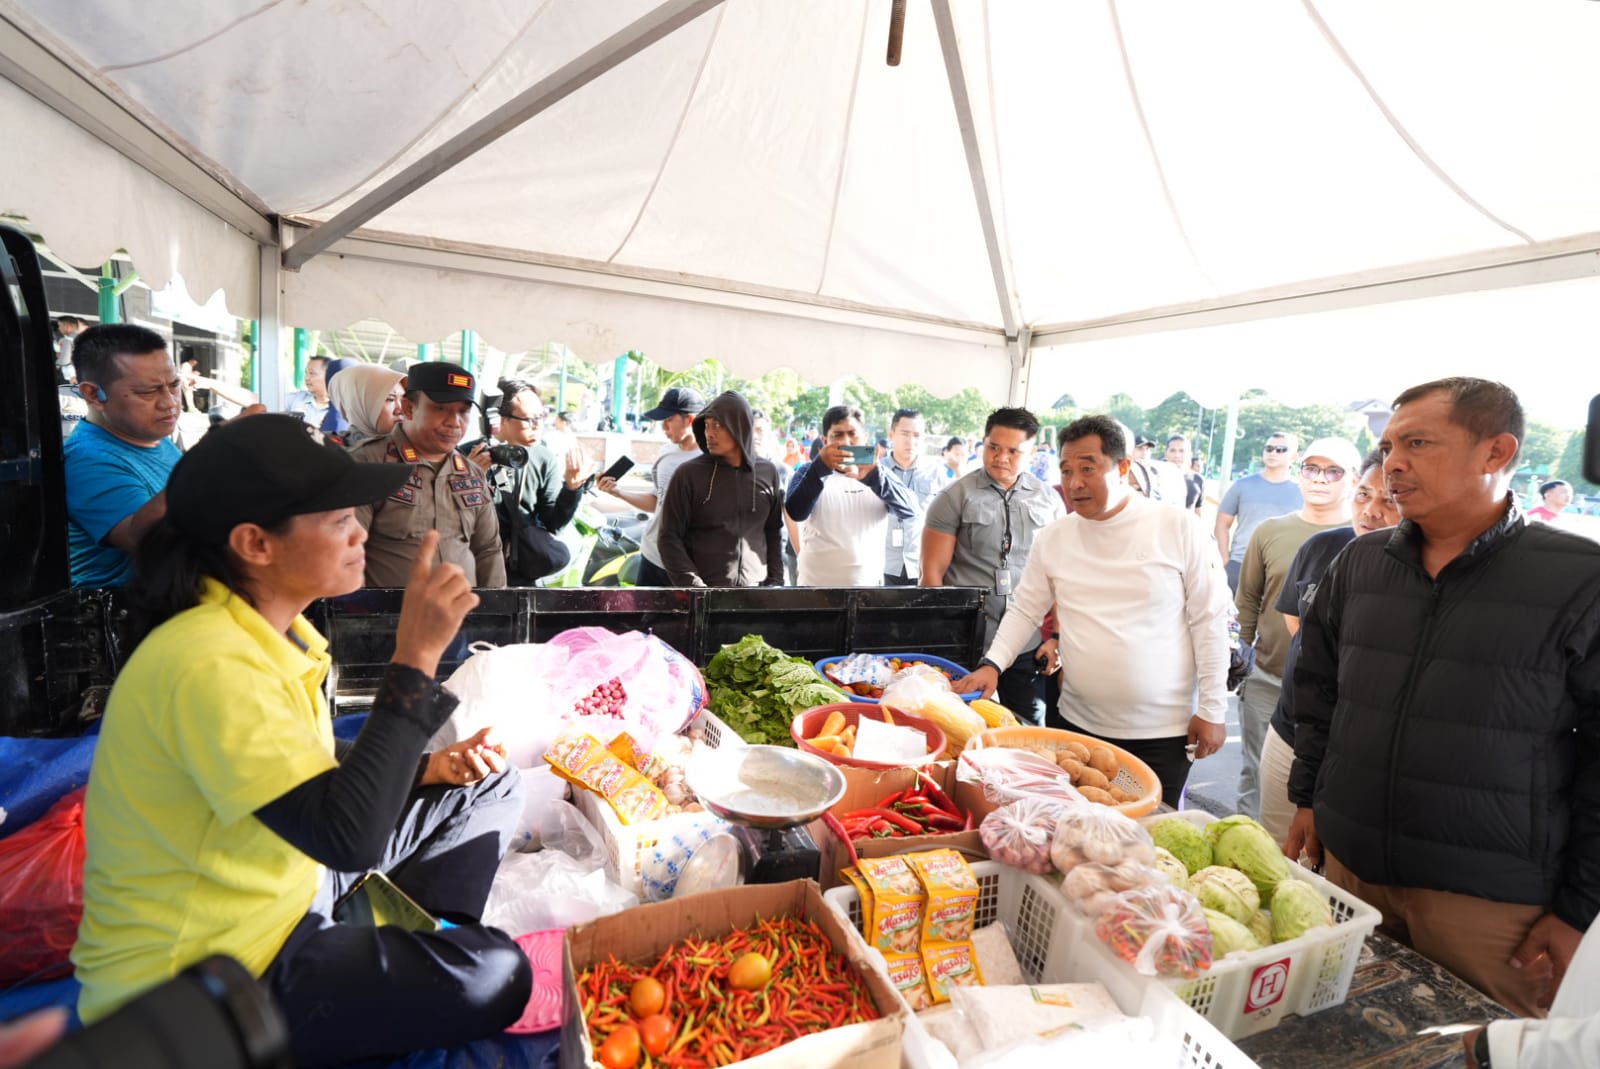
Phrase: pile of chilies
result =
(714, 1023)
(921, 809)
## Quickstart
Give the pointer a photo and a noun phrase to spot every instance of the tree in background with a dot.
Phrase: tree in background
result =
(1570, 466)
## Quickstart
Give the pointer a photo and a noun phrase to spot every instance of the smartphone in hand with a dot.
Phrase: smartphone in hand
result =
(861, 455)
(619, 469)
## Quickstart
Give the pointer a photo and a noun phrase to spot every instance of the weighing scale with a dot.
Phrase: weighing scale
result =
(769, 794)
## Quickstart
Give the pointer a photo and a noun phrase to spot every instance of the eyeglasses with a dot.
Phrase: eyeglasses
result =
(1277, 449)
(531, 421)
(1317, 471)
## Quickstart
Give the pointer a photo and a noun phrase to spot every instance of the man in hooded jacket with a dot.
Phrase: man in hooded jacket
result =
(722, 515)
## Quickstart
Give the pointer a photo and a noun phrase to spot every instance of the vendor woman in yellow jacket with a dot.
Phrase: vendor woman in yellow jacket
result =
(222, 817)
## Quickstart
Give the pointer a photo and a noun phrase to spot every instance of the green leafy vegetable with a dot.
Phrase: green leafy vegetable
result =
(757, 690)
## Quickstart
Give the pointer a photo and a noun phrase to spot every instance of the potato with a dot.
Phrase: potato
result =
(1103, 760)
(1095, 794)
(1071, 764)
(1078, 750)
(1120, 795)
(1091, 777)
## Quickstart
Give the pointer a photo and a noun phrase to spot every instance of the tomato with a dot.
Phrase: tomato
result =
(621, 1048)
(751, 972)
(657, 1030)
(647, 996)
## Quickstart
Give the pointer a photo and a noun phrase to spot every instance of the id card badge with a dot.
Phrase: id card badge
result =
(1002, 581)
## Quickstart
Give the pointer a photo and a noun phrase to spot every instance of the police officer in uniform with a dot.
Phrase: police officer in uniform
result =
(446, 492)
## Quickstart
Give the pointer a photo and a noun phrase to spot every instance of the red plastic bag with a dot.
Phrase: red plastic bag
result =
(41, 894)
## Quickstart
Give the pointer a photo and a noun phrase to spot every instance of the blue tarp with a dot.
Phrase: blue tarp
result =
(40, 771)
(37, 773)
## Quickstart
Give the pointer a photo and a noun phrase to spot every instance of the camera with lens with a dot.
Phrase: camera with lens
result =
(213, 1015)
(508, 456)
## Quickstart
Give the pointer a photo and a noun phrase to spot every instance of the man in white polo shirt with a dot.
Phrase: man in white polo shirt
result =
(1141, 606)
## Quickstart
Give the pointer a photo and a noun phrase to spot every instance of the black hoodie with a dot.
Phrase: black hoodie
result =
(722, 525)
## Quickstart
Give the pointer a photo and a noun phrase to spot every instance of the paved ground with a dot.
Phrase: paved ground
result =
(1214, 782)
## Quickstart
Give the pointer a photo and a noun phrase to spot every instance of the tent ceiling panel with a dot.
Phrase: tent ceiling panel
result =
(1502, 96)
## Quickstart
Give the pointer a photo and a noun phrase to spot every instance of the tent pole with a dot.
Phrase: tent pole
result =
(619, 388)
(1229, 437)
(302, 349)
(110, 309)
(268, 376)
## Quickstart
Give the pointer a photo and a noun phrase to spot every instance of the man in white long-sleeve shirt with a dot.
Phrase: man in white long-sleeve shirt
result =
(1141, 607)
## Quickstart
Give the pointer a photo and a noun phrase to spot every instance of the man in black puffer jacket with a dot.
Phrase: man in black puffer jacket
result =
(1447, 702)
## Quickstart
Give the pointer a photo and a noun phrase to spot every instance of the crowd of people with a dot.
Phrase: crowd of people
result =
(1419, 713)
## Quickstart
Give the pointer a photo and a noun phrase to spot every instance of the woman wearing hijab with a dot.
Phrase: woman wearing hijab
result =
(223, 818)
(368, 397)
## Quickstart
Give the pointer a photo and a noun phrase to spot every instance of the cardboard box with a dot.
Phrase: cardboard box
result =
(641, 934)
(865, 787)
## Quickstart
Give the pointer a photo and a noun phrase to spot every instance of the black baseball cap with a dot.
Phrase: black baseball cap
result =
(1142, 439)
(264, 469)
(442, 383)
(680, 399)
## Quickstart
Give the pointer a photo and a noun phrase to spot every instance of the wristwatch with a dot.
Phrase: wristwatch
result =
(1480, 1049)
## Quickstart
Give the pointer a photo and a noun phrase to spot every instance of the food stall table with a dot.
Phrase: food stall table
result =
(1398, 1000)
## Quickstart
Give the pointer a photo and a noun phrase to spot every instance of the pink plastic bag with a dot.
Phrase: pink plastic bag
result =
(661, 690)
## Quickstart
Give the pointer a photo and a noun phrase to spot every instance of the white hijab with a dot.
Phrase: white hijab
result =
(360, 393)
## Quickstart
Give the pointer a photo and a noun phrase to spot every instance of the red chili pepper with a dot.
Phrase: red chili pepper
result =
(902, 822)
(944, 822)
(935, 795)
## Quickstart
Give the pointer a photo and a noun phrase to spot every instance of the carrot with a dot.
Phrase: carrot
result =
(834, 724)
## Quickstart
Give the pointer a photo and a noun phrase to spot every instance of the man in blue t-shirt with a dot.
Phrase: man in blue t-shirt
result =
(118, 459)
(1270, 492)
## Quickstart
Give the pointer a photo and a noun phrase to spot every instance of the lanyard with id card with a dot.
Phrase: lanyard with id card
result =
(1002, 574)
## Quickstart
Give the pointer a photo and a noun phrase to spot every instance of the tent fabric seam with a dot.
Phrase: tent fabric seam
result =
(844, 154)
(192, 45)
(672, 143)
(1349, 63)
(1150, 143)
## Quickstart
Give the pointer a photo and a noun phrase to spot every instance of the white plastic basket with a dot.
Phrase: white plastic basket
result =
(627, 845)
(1045, 934)
(1248, 993)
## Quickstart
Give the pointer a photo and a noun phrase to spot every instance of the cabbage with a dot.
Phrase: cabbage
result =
(1184, 841)
(1298, 907)
(1245, 845)
(1226, 891)
(1228, 936)
(1174, 870)
(1261, 927)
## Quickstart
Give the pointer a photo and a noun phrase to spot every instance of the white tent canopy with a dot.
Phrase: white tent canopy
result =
(749, 180)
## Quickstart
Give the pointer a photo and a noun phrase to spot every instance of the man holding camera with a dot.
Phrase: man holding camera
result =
(536, 492)
(445, 493)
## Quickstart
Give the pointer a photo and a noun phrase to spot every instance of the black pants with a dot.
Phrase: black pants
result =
(352, 992)
(1021, 690)
(1167, 758)
(651, 573)
(899, 580)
